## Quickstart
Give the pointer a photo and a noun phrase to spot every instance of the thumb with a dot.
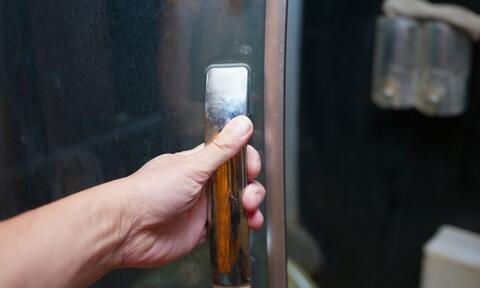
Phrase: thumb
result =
(229, 142)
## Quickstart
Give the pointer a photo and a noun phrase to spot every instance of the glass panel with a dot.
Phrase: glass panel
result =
(91, 90)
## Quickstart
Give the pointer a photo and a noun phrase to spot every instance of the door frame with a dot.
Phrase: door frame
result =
(275, 46)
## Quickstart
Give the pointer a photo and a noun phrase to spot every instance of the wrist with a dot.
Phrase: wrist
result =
(114, 218)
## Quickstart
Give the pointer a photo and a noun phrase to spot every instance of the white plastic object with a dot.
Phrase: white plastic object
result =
(452, 259)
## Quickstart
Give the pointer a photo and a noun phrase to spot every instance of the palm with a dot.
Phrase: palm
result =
(183, 233)
(170, 240)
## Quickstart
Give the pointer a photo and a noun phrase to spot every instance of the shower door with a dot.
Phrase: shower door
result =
(91, 90)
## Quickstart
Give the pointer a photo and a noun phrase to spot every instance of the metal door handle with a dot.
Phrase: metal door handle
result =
(226, 97)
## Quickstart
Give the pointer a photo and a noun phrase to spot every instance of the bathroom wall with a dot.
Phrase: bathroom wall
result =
(375, 185)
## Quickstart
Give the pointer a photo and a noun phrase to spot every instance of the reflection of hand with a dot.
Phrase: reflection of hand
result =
(166, 209)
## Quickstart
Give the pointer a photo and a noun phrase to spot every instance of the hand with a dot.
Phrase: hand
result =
(150, 218)
(167, 209)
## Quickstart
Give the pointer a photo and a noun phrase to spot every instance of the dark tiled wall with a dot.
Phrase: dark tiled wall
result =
(376, 185)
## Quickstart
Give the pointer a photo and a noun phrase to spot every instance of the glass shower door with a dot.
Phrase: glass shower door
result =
(91, 90)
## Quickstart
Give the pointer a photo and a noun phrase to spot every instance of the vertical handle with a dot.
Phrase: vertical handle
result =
(226, 97)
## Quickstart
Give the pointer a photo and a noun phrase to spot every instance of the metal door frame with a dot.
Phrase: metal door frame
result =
(275, 46)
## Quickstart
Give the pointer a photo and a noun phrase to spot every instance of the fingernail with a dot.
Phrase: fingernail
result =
(241, 125)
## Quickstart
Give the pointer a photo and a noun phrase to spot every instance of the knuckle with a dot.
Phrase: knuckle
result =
(255, 194)
(256, 167)
(197, 168)
(261, 190)
(254, 160)
(223, 144)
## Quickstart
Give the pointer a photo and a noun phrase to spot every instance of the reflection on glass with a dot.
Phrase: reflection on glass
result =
(91, 90)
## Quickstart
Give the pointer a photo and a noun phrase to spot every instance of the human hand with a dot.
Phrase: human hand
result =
(166, 210)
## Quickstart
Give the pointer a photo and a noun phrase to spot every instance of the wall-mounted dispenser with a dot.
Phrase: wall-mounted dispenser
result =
(444, 60)
(422, 57)
(395, 69)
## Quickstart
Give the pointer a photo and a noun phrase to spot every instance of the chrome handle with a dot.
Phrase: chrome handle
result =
(226, 97)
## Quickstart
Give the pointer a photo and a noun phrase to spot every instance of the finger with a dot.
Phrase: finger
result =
(254, 163)
(191, 151)
(203, 237)
(229, 142)
(253, 196)
(255, 220)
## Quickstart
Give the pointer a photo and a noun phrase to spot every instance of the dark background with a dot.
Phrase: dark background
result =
(376, 185)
